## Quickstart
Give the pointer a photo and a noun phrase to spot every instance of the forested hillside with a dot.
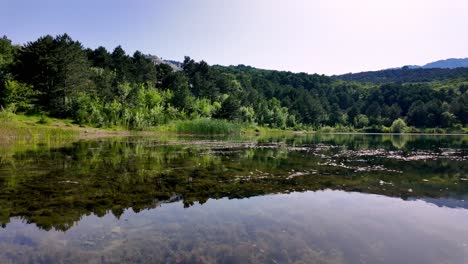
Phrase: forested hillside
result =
(405, 75)
(57, 76)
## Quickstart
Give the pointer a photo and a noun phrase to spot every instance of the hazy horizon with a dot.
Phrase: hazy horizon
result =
(325, 37)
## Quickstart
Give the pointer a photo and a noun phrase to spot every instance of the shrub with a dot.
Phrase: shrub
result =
(19, 96)
(361, 121)
(399, 126)
(44, 120)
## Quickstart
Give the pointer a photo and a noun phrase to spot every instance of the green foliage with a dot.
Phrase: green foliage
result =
(57, 67)
(30, 130)
(137, 172)
(448, 119)
(106, 89)
(136, 107)
(204, 108)
(336, 129)
(361, 121)
(207, 126)
(178, 84)
(398, 126)
(405, 75)
(230, 109)
(43, 120)
(272, 114)
(19, 96)
(7, 57)
(247, 114)
(6, 114)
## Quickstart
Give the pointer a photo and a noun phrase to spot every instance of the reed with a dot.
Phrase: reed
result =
(206, 126)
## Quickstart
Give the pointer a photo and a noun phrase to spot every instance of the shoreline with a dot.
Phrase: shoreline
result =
(24, 127)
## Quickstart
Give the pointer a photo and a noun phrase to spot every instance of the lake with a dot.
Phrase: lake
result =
(317, 198)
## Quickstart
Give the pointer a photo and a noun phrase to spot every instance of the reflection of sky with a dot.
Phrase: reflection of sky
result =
(333, 225)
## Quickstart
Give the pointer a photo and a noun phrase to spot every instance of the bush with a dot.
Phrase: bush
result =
(19, 96)
(6, 114)
(361, 121)
(44, 120)
(399, 126)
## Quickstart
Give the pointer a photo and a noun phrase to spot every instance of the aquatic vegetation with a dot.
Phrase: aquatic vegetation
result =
(97, 196)
(207, 126)
(115, 174)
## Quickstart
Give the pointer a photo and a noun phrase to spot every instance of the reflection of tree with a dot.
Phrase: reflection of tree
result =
(399, 142)
(54, 187)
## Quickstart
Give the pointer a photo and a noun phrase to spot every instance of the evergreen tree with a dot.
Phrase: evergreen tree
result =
(58, 68)
(230, 109)
(100, 57)
(121, 64)
(417, 114)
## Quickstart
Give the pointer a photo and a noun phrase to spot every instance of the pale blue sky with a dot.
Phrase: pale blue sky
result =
(329, 37)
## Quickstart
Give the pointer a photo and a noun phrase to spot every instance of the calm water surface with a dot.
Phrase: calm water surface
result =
(290, 199)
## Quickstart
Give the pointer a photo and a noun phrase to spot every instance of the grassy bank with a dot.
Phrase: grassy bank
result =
(43, 128)
(32, 130)
(34, 127)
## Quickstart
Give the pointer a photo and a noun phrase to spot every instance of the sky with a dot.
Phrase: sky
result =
(313, 36)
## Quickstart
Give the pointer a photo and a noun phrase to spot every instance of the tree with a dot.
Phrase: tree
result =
(143, 70)
(459, 108)
(100, 58)
(8, 54)
(247, 114)
(448, 119)
(278, 115)
(394, 111)
(361, 121)
(58, 68)
(398, 126)
(105, 82)
(121, 64)
(434, 112)
(374, 112)
(309, 109)
(71, 75)
(19, 96)
(36, 66)
(230, 109)
(417, 114)
(352, 113)
(7, 57)
(335, 116)
(178, 84)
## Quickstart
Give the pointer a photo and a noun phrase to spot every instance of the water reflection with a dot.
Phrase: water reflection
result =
(312, 227)
(387, 199)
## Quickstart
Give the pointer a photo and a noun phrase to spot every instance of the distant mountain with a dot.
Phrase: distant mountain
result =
(437, 70)
(440, 64)
(405, 75)
(447, 64)
(175, 65)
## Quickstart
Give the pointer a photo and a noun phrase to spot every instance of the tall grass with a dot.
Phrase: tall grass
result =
(22, 132)
(206, 126)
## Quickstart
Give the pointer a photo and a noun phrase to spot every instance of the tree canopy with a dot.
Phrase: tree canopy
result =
(58, 76)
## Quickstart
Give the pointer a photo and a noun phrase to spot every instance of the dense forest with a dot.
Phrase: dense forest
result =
(405, 75)
(57, 76)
